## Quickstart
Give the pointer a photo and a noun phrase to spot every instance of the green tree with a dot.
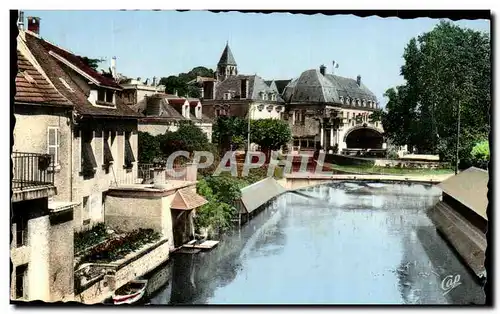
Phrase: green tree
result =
(445, 69)
(188, 137)
(480, 154)
(226, 129)
(149, 147)
(270, 134)
(180, 82)
(93, 63)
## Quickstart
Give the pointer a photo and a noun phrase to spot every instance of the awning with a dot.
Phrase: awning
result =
(187, 199)
(257, 194)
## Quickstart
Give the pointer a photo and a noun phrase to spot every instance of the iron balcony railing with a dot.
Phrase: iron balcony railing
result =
(31, 170)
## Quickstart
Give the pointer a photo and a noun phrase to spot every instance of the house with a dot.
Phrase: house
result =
(233, 94)
(164, 112)
(328, 110)
(134, 90)
(41, 246)
(461, 217)
(103, 129)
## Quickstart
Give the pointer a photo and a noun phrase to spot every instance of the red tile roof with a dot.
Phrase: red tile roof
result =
(187, 199)
(32, 87)
(77, 61)
(175, 101)
(79, 93)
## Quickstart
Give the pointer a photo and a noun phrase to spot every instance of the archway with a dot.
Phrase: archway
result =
(364, 138)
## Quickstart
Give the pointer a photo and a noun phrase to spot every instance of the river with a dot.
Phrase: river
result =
(350, 243)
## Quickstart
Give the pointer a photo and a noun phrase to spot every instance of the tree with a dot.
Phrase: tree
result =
(93, 63)
(149, 147)
(446, 70)
(480, 154)
(270, 134)
(227, 129)
(179, 82)
(188, 137)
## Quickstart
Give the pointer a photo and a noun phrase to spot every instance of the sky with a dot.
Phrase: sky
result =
(273, 46)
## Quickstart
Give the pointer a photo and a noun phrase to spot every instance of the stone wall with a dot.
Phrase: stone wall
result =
(132, 266)
(127, 214)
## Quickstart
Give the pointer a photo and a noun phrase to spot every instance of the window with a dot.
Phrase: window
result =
(105, 96)
(341, 99)
(106, 151)
(273, 97)
(302, 118)
(21, 274)
(227, 96)
(88, 161)
(86, 210)
(269, 108)
(21, 231)
(129, 153)
(53, 144)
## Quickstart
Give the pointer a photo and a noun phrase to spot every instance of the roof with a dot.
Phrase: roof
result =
(187, 199)
(158, 107)
(33, 87)
(469, 187)
(227, 57)
(232, 84)
(78, 93)
(257, 194)
(281, 84)
(77, 61)
(312, 86)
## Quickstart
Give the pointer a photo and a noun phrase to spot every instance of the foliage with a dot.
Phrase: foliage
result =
(149, 147)
(480, 154)
(270, 134)
(85, 239)
(93, 63)
(444, 68)
(227, 128)
(221, 192)
(188, 137)
(179, 83)
(119, 247)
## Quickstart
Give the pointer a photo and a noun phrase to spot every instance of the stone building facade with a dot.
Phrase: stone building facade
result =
(330, 111)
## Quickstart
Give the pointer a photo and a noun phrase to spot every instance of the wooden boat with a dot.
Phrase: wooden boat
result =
(130, 293)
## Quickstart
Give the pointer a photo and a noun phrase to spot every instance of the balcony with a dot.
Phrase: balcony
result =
(32, 176)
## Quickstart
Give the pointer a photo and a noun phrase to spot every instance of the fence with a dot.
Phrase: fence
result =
(146, 172)
(31, 170)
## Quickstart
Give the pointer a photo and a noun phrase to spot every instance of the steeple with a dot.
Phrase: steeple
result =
(227, 65)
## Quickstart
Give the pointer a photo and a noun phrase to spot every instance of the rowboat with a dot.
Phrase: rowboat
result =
(130, 293)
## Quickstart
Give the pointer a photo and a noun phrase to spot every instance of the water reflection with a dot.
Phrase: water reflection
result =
(362, 243)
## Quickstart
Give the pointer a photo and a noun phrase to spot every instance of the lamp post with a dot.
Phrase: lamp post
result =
(250, 108)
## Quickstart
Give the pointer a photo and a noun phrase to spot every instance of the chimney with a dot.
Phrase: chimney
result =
(175, 90)
(154, 81)
(34, 24)
(358, 80)
(322, 69)
(20, 20)
(113, 67)
(244, 88)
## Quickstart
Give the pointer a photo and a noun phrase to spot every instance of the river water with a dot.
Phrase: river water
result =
(350, 243)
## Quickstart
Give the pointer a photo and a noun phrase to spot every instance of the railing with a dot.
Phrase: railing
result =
(146, 172)
(31, 170)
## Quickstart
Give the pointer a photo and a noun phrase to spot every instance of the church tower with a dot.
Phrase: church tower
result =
(227, 65)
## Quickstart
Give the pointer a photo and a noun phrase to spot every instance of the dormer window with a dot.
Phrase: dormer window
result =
(273, 97)
(105, 97)
(348, 101)
(341, 99)
(227, 96)
(364, 103)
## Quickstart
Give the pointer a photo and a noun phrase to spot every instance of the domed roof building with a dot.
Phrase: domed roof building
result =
(333, 112)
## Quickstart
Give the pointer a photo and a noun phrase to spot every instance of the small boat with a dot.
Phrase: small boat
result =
(130, 293)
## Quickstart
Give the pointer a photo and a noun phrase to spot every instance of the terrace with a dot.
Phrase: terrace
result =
(32, 176)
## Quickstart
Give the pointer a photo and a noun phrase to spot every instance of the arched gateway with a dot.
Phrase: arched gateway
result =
(364, 137)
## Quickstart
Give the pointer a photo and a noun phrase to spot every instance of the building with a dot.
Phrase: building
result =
(461, 216)
(41, 246)
(134, 90)
(103, 137)
(234, 94)
(329, 110)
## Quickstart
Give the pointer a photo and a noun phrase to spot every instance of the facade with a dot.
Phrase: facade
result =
(134, 90)
(233, 94)
(163, 112)
(103, 131)
(329, 110)
(41, 246)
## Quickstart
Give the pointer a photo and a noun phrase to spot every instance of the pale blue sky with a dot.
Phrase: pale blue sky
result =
(274, 46)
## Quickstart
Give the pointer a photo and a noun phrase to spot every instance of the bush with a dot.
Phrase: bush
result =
(480, 154)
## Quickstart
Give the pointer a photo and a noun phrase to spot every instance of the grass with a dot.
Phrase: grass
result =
(391, 171)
